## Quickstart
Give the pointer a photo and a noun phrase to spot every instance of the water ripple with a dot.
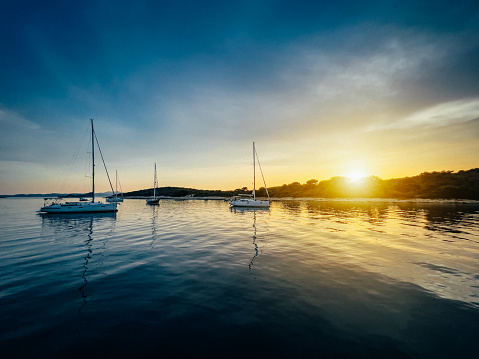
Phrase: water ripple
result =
(360, 276)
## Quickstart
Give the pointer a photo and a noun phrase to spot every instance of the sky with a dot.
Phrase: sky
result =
(324, 88)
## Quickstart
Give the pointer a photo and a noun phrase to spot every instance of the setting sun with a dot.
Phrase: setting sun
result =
(355, 176)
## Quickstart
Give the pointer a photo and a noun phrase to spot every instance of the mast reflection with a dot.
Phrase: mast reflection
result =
(78, 228)
(154, 210)
(254, 241)
(254, 211)
(88, 245)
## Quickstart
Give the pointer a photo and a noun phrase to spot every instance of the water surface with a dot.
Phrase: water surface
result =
(195, 278)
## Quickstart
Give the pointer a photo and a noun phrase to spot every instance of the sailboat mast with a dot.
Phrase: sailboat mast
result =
(154, 184)
(254, 173)
(93, 162)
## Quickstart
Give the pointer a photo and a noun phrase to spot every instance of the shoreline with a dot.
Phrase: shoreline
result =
(314, 199)
(293, 199)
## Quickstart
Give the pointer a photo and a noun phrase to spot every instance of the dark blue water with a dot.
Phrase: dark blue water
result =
(195, 279)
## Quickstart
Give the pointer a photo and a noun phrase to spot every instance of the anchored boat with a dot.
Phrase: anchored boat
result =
(154, 200)
(56, 205)
(117, 196)
(249, 200)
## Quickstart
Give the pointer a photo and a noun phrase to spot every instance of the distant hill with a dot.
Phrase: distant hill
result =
(180, 192)
(434, 185)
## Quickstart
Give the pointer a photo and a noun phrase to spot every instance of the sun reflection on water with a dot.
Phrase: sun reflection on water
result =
(403, 241)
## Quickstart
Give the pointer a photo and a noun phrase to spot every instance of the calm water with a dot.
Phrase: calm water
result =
(196, 279)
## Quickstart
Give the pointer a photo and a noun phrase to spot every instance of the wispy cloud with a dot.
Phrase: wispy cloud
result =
(440, 115)
(12, 120)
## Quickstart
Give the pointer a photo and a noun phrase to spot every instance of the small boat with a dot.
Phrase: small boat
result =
(117, 197)
(56, 205)
(154, 200)
(249, 200)
(114, 199)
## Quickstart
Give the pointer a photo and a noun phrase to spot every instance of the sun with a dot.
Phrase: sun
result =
(355, 176)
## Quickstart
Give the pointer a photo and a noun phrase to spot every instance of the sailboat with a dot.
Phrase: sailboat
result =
(154, 199)
(249, 200)
(55, 205)
(115, 197)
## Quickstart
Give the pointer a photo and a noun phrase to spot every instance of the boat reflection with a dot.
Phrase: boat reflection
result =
(154, 210)
(255, 212)
(88, 233)
(254, 242)
(56, 219)
(248, 209)
(87, 258)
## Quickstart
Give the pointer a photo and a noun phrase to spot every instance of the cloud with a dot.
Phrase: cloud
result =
(11, 119)
(440, 115)
(316, 90)
(17, 135)
(191, 89)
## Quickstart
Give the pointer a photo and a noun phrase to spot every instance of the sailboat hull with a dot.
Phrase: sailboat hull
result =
(78, 207)
(153, 201)
(249, 203)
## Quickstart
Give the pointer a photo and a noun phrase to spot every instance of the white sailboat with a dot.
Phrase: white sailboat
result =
(249, 200)
(116, 197)
(56, 205)
(154, 200)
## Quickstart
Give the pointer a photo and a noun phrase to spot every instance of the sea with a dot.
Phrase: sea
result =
(198, 279)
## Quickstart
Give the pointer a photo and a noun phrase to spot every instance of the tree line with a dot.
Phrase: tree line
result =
(444, 185)
(179, 192)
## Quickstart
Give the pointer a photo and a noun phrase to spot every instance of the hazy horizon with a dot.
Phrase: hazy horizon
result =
(353, 179)
(384, 88)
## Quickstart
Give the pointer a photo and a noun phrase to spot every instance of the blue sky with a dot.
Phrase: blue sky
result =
(325, 88)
